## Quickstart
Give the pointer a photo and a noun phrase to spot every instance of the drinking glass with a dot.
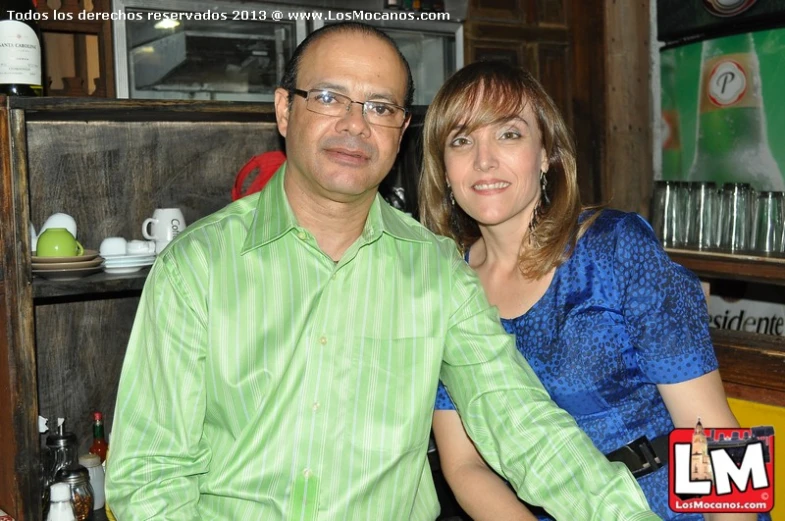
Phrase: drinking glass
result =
(769, 222)
(666, 214)
(702, 212)
(735, 217)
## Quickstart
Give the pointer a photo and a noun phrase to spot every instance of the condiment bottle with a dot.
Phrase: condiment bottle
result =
(60, 452)
(93, 465)
(99, 445)
(60, 506)
(81, 492)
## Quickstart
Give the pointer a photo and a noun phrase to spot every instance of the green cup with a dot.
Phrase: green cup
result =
(58, 242)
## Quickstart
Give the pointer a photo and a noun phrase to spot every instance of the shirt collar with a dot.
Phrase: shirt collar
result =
(274, 218)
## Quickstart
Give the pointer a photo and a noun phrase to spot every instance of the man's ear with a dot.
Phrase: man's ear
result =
(400, 137)
(282, 110)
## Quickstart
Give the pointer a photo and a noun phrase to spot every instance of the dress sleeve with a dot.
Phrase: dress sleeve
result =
(664, 307)
(443, 401)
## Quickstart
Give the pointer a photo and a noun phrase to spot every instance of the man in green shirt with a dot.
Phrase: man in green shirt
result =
(286, 350)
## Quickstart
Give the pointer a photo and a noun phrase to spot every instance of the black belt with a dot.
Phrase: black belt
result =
(642, 456)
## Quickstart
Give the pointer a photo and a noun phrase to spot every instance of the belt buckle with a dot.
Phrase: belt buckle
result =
(645, 452)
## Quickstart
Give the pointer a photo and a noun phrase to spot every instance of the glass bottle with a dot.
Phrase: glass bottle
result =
(733, 146)
(82, 495)
(20, 49)
(60, 452)
(99, 445)
(60, 506)
(671, 142)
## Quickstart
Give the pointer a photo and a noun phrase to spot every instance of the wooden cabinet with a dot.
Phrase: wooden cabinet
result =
(109, 164)
(752, 365)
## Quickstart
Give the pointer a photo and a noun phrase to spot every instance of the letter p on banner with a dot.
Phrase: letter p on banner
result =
(721, 470)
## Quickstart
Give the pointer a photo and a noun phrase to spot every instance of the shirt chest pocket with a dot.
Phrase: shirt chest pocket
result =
(392, 385)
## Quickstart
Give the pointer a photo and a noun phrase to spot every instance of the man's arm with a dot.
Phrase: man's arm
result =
(516, 427)
(478, 489)
(156, 453)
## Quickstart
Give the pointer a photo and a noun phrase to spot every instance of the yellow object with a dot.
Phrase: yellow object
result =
(752, 414)
(108, 511)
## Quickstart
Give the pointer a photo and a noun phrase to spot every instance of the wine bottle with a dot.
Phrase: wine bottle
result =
(20, 49)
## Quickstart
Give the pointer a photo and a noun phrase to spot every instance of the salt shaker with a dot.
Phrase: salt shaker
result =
(60, 506)
(81, 492)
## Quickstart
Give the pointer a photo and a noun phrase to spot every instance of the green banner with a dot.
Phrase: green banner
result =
(723, 118)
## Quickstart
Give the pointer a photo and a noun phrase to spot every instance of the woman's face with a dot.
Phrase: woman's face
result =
(494, 172)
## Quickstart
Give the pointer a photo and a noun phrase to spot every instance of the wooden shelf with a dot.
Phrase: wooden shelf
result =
(768, 270)
(52, 108)
(99, 284)
(752, 365)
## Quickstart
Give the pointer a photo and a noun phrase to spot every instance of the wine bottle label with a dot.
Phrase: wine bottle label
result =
(20, 54)
(729, 81)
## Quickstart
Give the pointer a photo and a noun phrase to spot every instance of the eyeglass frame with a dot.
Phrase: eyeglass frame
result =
(363, 104)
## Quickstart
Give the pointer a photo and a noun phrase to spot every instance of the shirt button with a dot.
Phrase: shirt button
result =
(323, 340)
(316, 406)
(307, 473)
(301, 235)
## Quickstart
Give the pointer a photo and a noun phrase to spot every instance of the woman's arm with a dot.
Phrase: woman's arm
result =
(707, 401)
(478, 489)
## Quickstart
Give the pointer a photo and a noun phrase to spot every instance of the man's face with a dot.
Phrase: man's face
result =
(342, 158)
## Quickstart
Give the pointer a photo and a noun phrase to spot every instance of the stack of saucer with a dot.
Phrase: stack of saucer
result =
(67, 268)
(119, 264)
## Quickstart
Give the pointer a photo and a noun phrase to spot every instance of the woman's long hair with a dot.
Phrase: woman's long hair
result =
(484, 93)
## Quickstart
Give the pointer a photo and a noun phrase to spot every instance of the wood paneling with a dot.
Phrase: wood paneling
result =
(551, 12)
(504, 10)
(110, 176)
(627, 164)
(20, 436)
(554, 70)
(561, 42)
(586, 19)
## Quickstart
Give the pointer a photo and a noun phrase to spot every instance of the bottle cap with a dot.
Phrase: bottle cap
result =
(97, 416)
(90, 460)
(60, 492)
(73, 475)
(65, 439)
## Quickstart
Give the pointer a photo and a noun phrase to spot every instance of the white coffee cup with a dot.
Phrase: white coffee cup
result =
(136, 247)
(113, 246)
(164, 225)
(59, 220)
(33, 237)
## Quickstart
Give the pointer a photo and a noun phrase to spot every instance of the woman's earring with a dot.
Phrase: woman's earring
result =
(544, 187)
(452, 197)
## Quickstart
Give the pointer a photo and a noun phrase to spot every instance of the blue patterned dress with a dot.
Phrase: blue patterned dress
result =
(618, 318)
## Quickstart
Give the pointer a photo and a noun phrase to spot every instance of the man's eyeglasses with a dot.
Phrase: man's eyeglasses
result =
(330, 103)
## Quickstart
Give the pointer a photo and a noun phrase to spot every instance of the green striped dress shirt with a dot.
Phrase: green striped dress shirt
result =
(263, 381)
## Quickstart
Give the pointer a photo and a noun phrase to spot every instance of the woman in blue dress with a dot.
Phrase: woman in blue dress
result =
(616, 331)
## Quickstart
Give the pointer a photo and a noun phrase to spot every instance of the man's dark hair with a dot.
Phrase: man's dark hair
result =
(289, 79)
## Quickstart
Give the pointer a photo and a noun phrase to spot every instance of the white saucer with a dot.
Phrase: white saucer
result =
(122, 270)
(128, 263)
(133, 256)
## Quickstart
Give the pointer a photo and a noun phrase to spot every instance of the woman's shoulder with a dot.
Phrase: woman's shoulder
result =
(611, 223)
